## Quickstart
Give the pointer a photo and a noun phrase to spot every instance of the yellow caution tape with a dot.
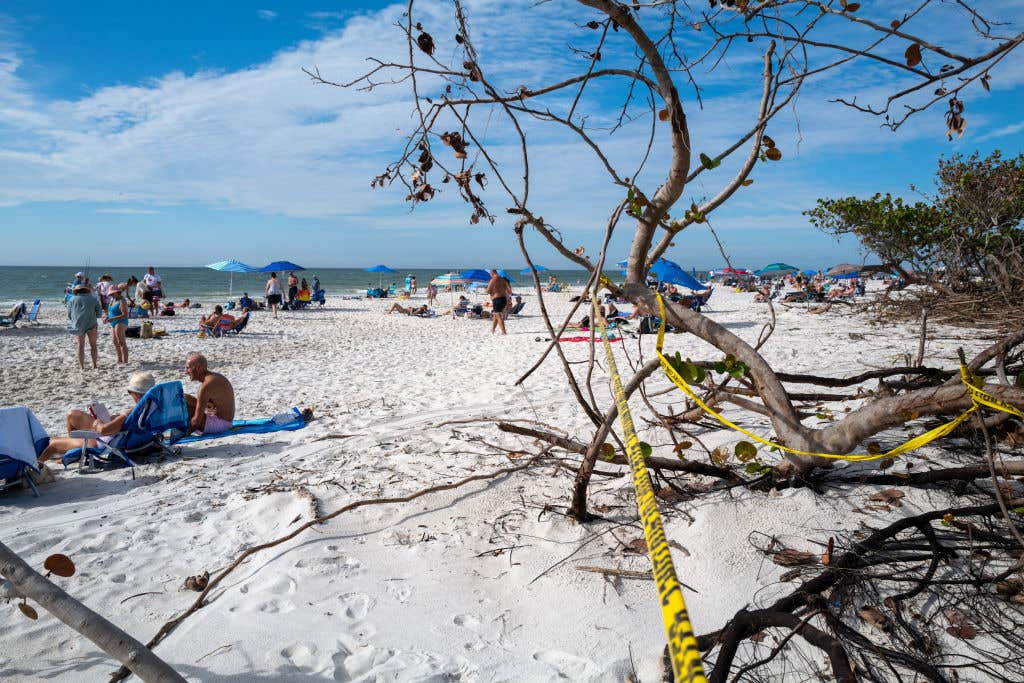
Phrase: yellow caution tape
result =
(978, 398)
(682, 645)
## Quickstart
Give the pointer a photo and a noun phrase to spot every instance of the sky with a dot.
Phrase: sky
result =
(180, 133)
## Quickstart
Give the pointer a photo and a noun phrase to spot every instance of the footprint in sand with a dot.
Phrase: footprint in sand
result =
(301, 656)
(400, 591)
(357, 605)
(470, 621)
(567, 665)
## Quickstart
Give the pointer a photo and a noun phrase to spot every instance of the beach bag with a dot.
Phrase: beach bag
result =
(133, 332)
(147, 330)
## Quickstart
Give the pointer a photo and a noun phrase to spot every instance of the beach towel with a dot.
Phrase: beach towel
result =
(597, 338)
(264, 425)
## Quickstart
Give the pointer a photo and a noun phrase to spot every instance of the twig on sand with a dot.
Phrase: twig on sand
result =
(624, 573)
(224, 647)
(201, 601)
(139, 595)
(328, 437)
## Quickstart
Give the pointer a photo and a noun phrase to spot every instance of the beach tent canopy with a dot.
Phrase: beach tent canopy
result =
(842, 269)
(475, 275)
(379, 268)
(733, 271)
(672, 273)
(280, 265)
(774, 269)
(232, 266)
(527, 271)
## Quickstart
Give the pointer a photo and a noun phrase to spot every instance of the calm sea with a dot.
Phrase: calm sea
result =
(27, 283)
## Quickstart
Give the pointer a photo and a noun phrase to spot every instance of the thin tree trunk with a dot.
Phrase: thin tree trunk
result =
(105, 635)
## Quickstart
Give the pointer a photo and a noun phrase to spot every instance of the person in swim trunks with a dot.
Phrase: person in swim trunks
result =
(499, 290)
(212, 409)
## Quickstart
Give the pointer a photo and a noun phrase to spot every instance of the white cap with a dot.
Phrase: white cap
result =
(79, 274)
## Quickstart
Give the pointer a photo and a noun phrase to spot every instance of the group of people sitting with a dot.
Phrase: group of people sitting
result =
(210, 411)
(815, 289)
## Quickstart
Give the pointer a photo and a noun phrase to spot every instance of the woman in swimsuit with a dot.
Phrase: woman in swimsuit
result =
(117, 316)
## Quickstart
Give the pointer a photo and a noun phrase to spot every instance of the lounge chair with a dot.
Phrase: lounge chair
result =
(236, 327)
(22, 441)
(162, 408)
(318, 297)
(16, 314)
(517, 308)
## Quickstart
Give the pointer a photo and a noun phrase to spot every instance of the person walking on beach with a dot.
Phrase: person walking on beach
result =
(431, 294)
(499, 291)
(412, 285)
(84, 311)
(274, 293)
(117, 316)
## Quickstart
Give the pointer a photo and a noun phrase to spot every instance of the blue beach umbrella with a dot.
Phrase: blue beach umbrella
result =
(231, 266)
(280, 265)
(527, 271)
(379, 268)
(475, 275)
(505, 274)
(672, 273)
(810, 273)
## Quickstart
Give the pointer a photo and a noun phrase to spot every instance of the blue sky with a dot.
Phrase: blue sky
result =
(184, 132)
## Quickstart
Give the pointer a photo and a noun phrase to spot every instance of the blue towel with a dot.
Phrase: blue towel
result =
(264, 425)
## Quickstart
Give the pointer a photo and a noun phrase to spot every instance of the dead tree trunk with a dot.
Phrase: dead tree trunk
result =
(105, 635)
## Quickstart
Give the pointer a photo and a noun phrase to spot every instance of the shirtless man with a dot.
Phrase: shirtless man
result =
(499, 290)
(212, 409)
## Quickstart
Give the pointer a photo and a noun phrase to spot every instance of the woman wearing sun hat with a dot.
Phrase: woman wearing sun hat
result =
(138, 384)
(84, 310)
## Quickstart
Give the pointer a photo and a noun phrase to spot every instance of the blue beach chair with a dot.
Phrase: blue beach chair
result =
(33, 315)
(161, 409)
(22, 441)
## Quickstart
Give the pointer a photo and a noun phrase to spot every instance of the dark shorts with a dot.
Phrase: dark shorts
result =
(499, 303)
(292, 292)
(274, 299)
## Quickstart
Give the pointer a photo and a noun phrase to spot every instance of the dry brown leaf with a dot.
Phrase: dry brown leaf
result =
(788, 557)
(663, 115)
(888, 496)
(913, 55)
(59, 564)
(28, 610)
(873, 616)
(638, 545)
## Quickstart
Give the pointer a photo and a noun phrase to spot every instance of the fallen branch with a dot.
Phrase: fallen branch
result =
(135, 656)
(624, 573)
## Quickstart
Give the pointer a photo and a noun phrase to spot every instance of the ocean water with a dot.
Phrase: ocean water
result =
(27, 283)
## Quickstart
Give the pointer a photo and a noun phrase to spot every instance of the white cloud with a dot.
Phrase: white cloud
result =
(127, 211)
(266, 139)
(266, 14)
(1011, 129)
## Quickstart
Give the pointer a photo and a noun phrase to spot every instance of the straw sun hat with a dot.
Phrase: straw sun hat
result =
(141, 382)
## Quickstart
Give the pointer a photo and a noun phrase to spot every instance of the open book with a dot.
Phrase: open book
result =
(100, 412)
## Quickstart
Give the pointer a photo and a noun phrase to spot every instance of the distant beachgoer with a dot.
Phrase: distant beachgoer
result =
(117, 316)
(154, 283)
(214, 322)
(499, 290)
(186, 304)
(103, 287)
(431, 294)
(212, 409)
(138, 384)
(412, 286)
(84, 311)
(274, 293)
(245, 303)
(316, 283)
(293, 287)
(168, 309)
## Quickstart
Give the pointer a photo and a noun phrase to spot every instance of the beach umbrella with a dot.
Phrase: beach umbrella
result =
(280, 265)
(449, 280)
(733, 271)
(538, 268)
(622, 263)
(231, 266)
(475, 275)
(810, 273)
(777, 269)
(842, 269)
(379, 268)
(672, 273)
(505, 274)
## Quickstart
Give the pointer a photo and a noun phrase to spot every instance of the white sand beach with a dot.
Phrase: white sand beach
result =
(476, 584)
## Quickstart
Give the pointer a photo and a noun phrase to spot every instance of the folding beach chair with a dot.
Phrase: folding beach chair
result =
(22, 441)
(33, 315)
(319, 297)
(162, 408)
(237, 326)
(17, 313)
